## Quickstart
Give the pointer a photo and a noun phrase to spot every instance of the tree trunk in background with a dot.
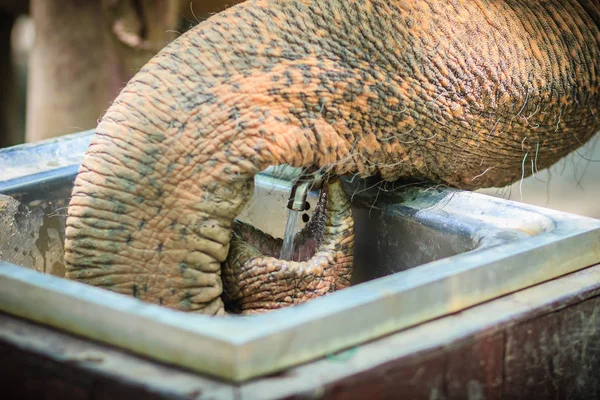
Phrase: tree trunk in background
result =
(9, 96)
(84, 53)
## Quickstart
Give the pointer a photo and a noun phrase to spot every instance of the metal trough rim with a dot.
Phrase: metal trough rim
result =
(240, 348)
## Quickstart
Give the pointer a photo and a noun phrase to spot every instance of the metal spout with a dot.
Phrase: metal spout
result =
(299, 192)
(297, 200)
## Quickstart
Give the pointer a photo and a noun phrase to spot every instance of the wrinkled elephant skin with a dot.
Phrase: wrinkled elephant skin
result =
(459, 93)
(256, 281)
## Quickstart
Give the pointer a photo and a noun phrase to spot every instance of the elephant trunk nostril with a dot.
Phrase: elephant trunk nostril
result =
(255, 280)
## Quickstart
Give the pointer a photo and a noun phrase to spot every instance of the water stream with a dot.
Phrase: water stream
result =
(291, 227)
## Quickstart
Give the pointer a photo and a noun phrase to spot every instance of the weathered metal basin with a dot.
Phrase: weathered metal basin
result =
(434, 251)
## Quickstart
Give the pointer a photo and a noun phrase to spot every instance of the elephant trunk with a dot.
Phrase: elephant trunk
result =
(173, 160)
(459, 93)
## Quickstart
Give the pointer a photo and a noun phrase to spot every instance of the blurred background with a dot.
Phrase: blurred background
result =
(63, 62)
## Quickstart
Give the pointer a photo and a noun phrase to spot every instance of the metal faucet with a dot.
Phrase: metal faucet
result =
(299, 192)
